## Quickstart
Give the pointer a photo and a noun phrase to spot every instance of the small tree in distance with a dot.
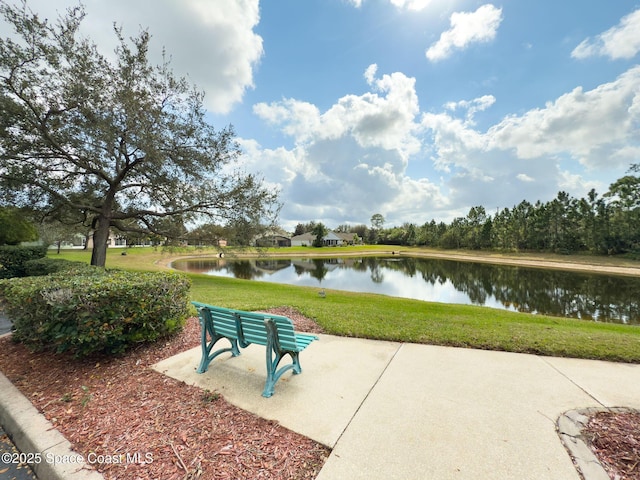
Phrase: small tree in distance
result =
(113, 144)
(377, 221)
(319, 230)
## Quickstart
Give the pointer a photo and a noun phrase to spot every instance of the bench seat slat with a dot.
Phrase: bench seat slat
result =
(304, 340)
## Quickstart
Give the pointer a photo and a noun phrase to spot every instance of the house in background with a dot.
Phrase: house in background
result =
(349, 238)
(273, 237)
(273, 241)
(112, 241)
(331, 239)
(304, 240)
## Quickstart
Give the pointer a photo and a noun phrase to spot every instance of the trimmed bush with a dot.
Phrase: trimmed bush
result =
(84, 312)
(14, 258)
(46, 266)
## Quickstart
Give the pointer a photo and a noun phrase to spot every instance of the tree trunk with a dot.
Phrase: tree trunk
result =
(100, 239)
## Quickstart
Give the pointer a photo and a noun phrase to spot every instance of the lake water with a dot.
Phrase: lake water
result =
(605, 298)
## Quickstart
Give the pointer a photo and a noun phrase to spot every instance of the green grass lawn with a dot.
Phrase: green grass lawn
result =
(398, 319)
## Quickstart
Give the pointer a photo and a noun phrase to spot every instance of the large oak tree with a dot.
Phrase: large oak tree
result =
(112, 141)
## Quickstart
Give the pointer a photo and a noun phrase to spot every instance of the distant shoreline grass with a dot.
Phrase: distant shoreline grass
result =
(397, 319)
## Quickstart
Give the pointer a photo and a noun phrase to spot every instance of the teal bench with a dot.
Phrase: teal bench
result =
(241, 329)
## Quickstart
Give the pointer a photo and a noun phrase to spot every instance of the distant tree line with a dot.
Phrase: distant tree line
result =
(607, 224)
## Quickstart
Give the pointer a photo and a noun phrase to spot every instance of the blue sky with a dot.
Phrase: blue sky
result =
(415, 109)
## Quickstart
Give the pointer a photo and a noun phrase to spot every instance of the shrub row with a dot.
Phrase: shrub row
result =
(46, 266)
(90, 310)
(13, 259)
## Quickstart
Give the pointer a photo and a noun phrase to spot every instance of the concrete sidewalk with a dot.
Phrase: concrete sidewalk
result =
(406, 411)
(5, 324)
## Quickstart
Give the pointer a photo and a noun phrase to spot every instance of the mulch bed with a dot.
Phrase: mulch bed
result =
(615, 439)
(163, 428)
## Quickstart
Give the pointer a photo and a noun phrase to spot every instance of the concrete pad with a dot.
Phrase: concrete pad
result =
(337, 375)
(451, 413)
(611, 384)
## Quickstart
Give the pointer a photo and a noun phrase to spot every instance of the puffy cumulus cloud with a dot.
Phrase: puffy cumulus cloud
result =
(504, 187)
(409, 5)
(526, 157)
(416, 5)
(342, 182)
(476, 105)
(420, 200)
(467, 28)
(454, 141)
(595, 127)
(281, 164)
(478, 173)
(300, 120)
(330, 180)
(572, 182)
(211, 43)
(619, 42)
(381, 118)
(523, 177)
(350, 161)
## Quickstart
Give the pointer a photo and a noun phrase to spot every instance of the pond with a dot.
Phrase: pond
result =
(605, 298)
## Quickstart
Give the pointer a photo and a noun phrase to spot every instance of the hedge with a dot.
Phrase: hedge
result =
(14, 258)
(86, 312)
(46, 266)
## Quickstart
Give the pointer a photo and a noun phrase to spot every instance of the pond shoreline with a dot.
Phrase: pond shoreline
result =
(585, 264)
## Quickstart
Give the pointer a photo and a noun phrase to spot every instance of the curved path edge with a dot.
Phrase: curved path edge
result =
(33, 434)
(570, 426)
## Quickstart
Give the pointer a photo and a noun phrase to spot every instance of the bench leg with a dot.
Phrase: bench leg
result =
(207, 356)
(274, 357)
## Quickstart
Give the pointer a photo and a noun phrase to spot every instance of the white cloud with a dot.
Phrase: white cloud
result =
(411, 5)
(467, 28)
(382, 118)
(527, 156)
(523, 177)
(476, 105)
(619, 42)
(212, 43)
(370, 73)
(415, 5)
(351, 160)
(595, 127)
(571, 182)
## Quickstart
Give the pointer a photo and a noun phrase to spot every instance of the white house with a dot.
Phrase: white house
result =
(331, 239)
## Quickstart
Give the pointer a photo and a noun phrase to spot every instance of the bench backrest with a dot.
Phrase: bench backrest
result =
(224, 320)
(255, 331)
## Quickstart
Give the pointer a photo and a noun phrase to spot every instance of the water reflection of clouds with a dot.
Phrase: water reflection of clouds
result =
(569, 294)
(395, 284)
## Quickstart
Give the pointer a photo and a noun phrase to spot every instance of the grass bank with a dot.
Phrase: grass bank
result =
(397, 319)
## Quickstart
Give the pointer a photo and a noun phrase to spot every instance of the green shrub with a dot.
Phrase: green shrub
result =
(95, 311)
(13, 259)
(46, 266)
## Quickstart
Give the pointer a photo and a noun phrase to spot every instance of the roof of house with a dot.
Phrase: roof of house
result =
(330, 235)
(305, 236)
